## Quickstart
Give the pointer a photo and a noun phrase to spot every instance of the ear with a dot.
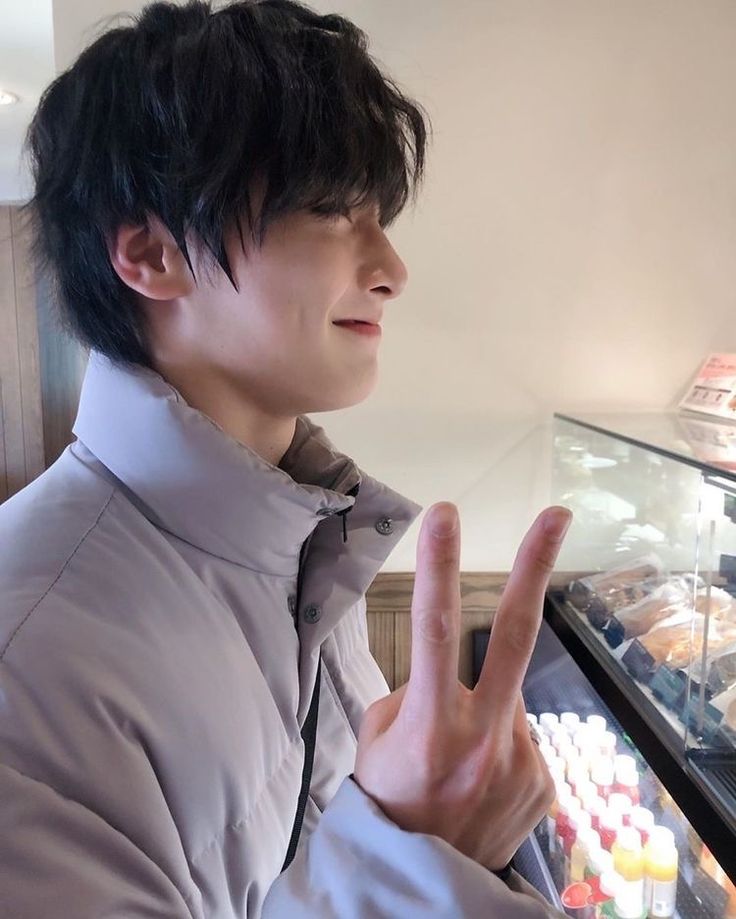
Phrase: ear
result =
(147, 259)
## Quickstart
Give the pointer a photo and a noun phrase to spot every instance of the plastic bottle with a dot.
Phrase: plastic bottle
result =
(566, 806)
(586, 842)
(608, 886)
(606, 742)
(622, 804)
(626, 780)
(660, 871)
(548, 721)
(570, 720)
(598, 863)
(602, 775)
(595, 806)
(628, 860)
(579, 822)
(560, 740)
(627, 906)
(642, 819)
(609, 825)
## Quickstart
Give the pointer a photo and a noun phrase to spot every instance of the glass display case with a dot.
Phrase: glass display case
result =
(640, 630)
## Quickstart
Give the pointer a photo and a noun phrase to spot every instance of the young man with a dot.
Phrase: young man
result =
(184, 665)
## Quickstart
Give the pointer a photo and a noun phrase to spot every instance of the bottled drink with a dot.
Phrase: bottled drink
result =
(642, 819)
(660, 871)
(622, 804)
(606, 741)
(602, 775)
(628, 860)
(586, 842)
(570, 720)
(597, 722)
(608, 886)
(626, 779)
(598, 863)
(579, 821)
(609, 825)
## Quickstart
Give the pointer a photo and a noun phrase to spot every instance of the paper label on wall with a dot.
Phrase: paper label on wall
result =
(713, 391)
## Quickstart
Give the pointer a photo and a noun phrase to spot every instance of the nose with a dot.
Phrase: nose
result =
(383, 271)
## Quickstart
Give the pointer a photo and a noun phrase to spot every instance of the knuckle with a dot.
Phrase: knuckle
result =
(434, 625)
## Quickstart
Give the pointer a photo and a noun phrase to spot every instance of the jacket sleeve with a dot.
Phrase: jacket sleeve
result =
(58, 858)
(358, 864)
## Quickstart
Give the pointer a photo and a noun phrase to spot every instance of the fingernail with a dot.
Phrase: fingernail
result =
(443, 521)
(556, 522)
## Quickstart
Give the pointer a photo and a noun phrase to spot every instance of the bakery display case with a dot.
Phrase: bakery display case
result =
(633, 681)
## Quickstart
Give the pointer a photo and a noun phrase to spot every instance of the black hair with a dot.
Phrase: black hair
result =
(177, 114)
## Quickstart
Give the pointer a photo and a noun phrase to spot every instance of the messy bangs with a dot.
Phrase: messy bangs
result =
(181, 115)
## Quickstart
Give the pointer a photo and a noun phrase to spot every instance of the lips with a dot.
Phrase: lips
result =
(354, 322)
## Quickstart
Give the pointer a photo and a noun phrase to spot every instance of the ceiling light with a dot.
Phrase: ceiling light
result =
(7, 98)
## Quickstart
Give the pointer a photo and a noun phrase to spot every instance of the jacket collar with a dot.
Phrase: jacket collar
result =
(192, 479)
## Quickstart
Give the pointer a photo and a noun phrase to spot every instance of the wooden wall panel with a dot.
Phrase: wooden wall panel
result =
(22, 453)
(389, 605)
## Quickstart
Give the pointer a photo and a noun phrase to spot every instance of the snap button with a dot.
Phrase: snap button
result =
(312, 613)
(385, 526)
(325, 512)
(291, 602)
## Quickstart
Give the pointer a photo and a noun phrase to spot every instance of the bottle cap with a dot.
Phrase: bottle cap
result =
(588, 795)
(621, 803)
(600, 861)
(598, 722)
(611, 819)
(611, 882)
(531, 718)
(571, 720)
(581, 737)
(627, 837)
(548, 721)
(607, 742)
(641, 818)
(596, 806)
(623, 762)
(580, 820)
(602, 772)
(589, 838)
(661, 836)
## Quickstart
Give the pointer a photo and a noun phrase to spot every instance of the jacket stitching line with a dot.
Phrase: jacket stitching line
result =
(239, 824)
(188, 898)
(63, 569)
(338, 703)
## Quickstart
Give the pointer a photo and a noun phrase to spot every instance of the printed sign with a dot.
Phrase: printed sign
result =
(713, 391)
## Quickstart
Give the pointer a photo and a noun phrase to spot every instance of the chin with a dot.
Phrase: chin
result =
(335, 400)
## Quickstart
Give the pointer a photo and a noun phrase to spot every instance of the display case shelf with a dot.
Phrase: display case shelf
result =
(702, 786)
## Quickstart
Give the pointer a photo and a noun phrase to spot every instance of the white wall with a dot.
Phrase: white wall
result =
(573, 248)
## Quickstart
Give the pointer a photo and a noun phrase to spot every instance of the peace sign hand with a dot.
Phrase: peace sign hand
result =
(442, 759)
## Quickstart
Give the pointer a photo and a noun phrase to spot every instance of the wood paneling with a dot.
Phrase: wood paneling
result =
(389, 619)
(21, 420)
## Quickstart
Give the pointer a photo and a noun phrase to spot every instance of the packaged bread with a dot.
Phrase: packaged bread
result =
(601, 595)
(674, 644)
(664, 601)
(721, 603)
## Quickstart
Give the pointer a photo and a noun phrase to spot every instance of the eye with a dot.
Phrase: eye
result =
(330, 213)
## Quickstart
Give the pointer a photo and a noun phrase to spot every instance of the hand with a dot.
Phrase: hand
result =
(442, 759)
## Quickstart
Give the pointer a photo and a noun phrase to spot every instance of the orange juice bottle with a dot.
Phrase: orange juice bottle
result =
(628, 861)
(660, 871)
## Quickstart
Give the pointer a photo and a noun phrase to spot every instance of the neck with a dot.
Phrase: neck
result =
(260, 431)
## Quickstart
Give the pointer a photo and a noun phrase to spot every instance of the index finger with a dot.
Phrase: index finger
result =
(435, 613)
(519, 616)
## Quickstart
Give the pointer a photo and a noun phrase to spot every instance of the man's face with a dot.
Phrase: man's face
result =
(275, 341)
